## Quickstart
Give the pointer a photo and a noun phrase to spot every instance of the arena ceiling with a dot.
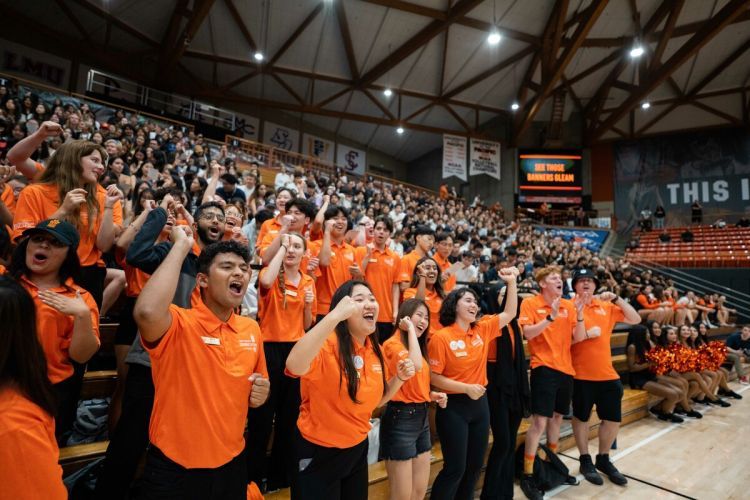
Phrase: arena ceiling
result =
(332, 60)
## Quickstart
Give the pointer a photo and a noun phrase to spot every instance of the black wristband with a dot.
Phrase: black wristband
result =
(550, 318)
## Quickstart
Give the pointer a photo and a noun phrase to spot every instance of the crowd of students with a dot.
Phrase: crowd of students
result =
(365, 296)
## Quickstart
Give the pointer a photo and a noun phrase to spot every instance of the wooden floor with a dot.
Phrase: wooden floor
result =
(700, 459)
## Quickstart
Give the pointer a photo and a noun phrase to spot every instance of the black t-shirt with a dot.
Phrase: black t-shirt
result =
(735, 342)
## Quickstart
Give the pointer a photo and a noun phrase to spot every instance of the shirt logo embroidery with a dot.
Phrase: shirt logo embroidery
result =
(376, 368)
(249, 344)
(388, 261)
(477, 341)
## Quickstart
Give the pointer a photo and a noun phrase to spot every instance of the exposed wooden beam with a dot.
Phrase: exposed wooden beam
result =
(666, 33)
(572, 93)
(386, 111)
(584, 26)
(115, 21)
(296, 33)
(518, 56)
(710, 29)
(463, 20)
(73, 19)
(420, 111)
(459, 9)
(201, 8)
(542, 56)
(551, 48)
(709, 109)
(458, 118)
(629, 87)
(289, 89)
(333, 97)
(170, 35)
(441, 87)
(347, 40)
(241, 25)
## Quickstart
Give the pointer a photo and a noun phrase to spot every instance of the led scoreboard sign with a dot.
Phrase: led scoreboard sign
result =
(549, 176)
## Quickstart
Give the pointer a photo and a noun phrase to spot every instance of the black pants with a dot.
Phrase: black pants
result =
(164, 479)
(279, 413)
(66, 393)
(330, 473)
(498, 477)
(129, 440)
(464, 429)
(92, 280)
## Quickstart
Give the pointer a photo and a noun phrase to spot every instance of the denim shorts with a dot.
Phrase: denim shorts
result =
(404, 431)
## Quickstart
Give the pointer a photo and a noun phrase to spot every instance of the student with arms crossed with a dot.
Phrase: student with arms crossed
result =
(208, 367)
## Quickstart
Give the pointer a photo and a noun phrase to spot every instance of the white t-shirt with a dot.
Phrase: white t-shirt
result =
(468, 274)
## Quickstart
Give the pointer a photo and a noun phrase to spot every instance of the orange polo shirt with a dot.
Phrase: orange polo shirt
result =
(2, 270)
(29, 453)
(646, 303)
(8, 198)
(39, 201)
(444, 264)
(551, 348)
(271, 226)
(135, 279)
(381, 273)
(417, 388)
(55, 329)
(460, 355)
(335, 274)
(433, 301)
(592, 358)
(200, 369)
(285, 324)
(327, 416)
(408, 263)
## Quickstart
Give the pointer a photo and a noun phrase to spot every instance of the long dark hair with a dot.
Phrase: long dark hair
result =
(70, 268)
(408, 308)
(448, 308)
(438, 282)
(637, 338)
(346, 361)
(22, 360)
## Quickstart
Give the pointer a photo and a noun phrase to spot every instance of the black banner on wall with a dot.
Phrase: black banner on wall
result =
(673, 171)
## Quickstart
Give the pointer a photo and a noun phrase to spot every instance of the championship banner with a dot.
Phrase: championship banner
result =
(454, 156)
(281, 137)
(318, 147)
(485, 158)
(712, 168)
(352, 160)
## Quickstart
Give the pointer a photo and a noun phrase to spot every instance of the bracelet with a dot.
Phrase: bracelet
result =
(286, 248)
(580, 320)
(402, 380)
(587, 334)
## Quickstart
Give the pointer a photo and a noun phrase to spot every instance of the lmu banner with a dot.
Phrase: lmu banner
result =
(34, 64)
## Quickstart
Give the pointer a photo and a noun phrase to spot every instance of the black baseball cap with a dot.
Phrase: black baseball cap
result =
(584, 273)
(63, 231)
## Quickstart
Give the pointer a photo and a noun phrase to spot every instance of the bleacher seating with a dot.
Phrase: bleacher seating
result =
(711, 247)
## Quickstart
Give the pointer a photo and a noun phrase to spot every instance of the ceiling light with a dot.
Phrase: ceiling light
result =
(400, 130)
(494, 38)
(637, 51)
(388, 92)
(514, 106)
(646, 105)
(258, 56)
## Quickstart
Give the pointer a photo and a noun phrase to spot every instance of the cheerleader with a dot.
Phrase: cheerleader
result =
(699, 340)
(405, 431)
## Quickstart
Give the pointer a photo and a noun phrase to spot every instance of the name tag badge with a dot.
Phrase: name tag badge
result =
(461, 354)
(373, 261)
(291, 293)
(211, 340)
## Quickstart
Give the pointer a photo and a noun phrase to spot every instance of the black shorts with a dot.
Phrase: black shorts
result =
(550, 391)
(606, 395)
(404, 431)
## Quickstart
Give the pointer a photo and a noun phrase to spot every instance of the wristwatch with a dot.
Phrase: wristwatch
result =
(550, 318)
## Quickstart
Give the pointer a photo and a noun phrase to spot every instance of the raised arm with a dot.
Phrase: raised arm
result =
(272, 249)
(109, 227)
(631, 315)
(415, 353)
(151, 311)
(307, 348)
(509, 275)
(20, 154)
(128, 235)
(269, 276)
(84, 342)
(325, 249)
(531, 331)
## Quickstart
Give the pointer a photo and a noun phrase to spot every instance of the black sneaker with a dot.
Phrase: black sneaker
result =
(671, 417)
(656, 411)
(589, 471)
(721, 402)
(693, 414)
(530, 488)
(603, 464)
(680, 411)
(729, 394)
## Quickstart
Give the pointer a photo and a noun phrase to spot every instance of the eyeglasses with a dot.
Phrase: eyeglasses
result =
(212, 216)
(38, 239)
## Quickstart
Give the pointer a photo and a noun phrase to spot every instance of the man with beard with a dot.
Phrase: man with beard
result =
(129, 440)
(596, 382)
(208, 367)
